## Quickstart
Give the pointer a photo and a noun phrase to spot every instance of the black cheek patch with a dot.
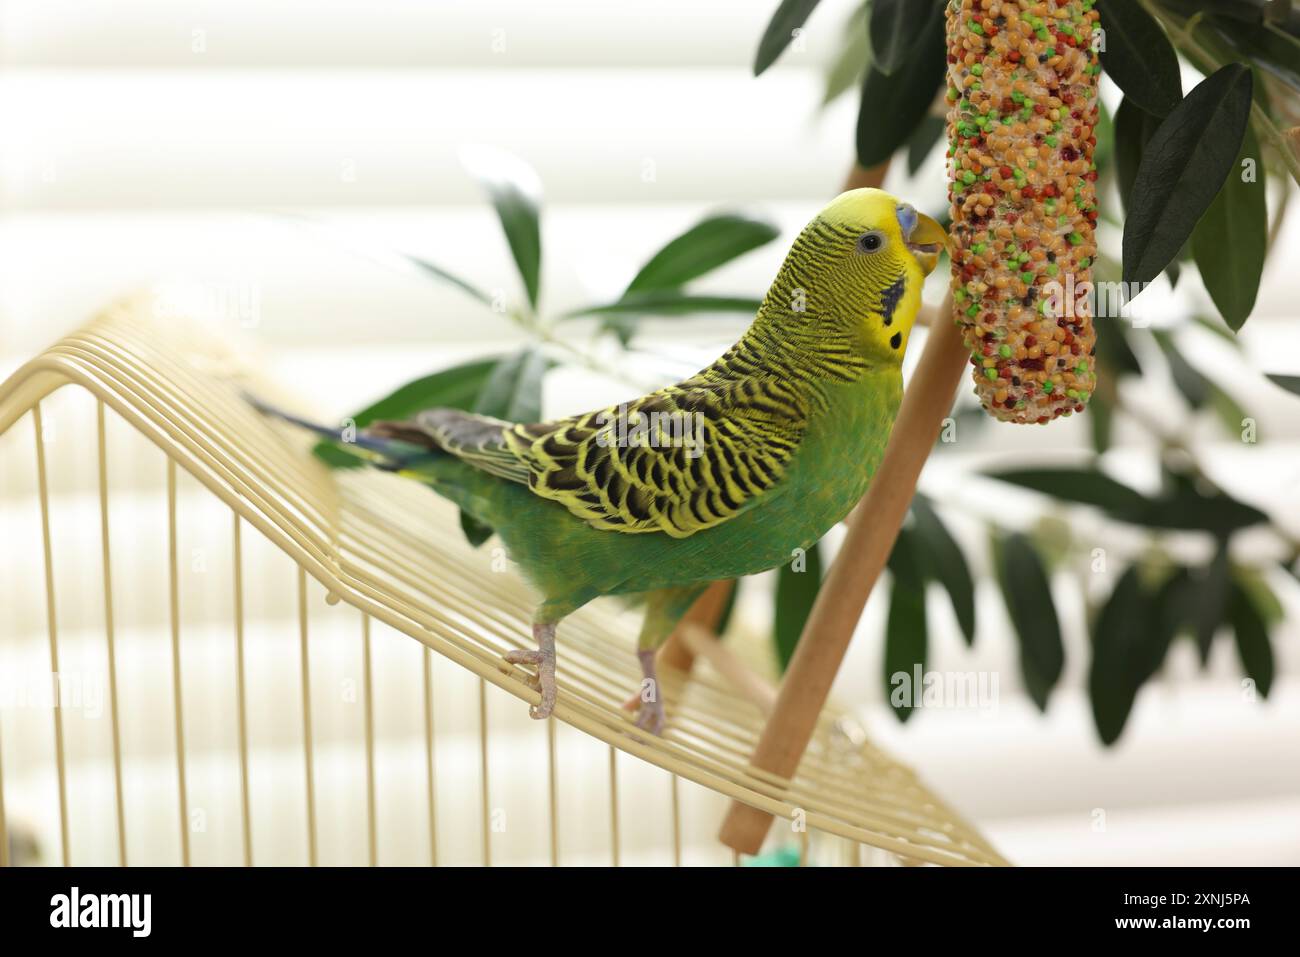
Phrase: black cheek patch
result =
(896, 340)
(890, 298)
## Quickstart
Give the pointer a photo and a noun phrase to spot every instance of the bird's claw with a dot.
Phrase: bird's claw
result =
(543, 682)
(650, 717)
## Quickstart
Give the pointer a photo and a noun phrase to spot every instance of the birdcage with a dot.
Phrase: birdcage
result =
(216, 651)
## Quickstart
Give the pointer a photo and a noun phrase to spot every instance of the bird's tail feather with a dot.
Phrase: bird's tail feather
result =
(390, 454)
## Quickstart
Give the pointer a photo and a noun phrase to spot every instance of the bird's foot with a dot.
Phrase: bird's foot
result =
(648, 702)
(543, 659)
(650, 717)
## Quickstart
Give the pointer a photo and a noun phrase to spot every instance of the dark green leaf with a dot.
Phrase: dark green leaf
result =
(1231, 240)
(1130, 639)
(943, 561)
(1117, 634)
(669, 302)
(893, 105)
(895, 31)
(1134, 128)
(476, 532)
(1195, 388)
(923, 140)
(1101, 420)
(1084, 486)
(1028, 596)
(1183, 168)
(454, 388)
(905, 628)
(1230, 413)
(1210, 597)
(1114, 351)
(701, 249)
(1289, 382)
(789, 17)
(513, 391)
(1186, 506)
(795, 593)
(1276, 52)
(1251, 632)
(1139, 57)
(851, 62)
(439, 273)
(516, 193)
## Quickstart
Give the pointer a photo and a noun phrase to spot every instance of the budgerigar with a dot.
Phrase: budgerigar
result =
(721, 475)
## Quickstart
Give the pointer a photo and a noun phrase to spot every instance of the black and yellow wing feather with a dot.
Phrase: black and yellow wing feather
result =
(677, 461)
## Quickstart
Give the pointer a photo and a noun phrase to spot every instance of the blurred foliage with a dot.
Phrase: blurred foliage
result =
(1177, 162)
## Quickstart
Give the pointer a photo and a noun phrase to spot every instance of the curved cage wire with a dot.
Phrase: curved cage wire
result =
(266, 702)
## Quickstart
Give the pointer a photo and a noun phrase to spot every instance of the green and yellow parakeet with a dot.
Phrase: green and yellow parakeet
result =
(721, 475)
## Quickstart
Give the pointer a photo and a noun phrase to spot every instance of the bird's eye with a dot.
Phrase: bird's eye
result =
(870, 242)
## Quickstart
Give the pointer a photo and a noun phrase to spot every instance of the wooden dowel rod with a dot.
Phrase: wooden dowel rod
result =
(873, 527)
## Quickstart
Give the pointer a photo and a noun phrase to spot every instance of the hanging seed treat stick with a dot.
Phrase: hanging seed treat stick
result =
(1022, 91)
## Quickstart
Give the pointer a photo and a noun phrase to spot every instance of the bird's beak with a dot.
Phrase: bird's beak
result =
(926, 242)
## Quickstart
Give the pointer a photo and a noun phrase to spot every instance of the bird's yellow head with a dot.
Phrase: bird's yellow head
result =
(859, 266)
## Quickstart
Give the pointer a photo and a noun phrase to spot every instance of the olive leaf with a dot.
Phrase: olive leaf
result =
(454, 388)
(893, 104)
(1027, 593)
(708, 244)
(942, 560)
(1138, 56)
(516, 194)
(1183, 168)
(1231, 240)
(796, 591)
(895, 30)
(905, 626)
(789, 17)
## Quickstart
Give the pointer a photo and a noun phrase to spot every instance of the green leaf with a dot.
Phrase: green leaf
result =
(1114, 350)
(1210, 597)
(1117, 633)
(516, 193)
(669, 302)
(893, 105)
(1230, 413)
(1130, 639)
(1183, 168)
(476, 532)
(513, 391)
(795, 593)
(1084, 486)
(905, 627)
(1139, 57)
(1101, 420)
(923, 140)
(439, 273)
(1028, 596)
(1195, 388)
(851, 61)
(1134, 128)
(789, 16)
(1251, 633)
(895, 31)
(1289, 382)
(702, 248)
(454, 388)
(943, 561)
(1231, 240)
